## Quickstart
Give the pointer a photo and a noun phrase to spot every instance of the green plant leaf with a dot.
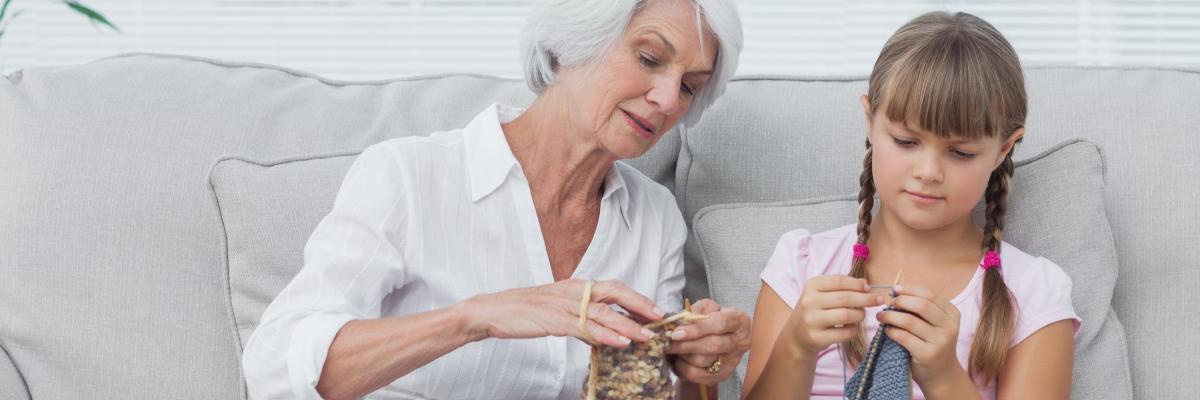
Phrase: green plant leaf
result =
(4, 9)
(90, 14)
(4, 25)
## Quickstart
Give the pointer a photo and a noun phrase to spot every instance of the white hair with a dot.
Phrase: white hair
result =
(575, 32)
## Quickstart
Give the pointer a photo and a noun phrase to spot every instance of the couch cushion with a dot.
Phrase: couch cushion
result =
(1056, 211)
(12, 385)
(111, 251)
(777, 138)
(269, 210)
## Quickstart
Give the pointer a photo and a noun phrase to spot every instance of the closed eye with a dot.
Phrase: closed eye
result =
(647, 60)
(904, 143)
(962, 154)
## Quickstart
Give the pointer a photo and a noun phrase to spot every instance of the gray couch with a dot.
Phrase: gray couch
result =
(150, 206)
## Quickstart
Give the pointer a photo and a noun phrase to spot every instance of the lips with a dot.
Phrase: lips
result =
(923, 197)
(639, 124)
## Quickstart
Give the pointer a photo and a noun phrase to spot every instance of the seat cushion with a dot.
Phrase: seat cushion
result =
(1057, 211)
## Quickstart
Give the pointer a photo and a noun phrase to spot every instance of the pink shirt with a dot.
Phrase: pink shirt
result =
(1041, 289)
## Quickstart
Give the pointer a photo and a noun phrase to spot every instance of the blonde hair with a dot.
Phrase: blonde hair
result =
(956, 76)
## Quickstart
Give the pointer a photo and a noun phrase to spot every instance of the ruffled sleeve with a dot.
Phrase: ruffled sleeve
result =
(786, 270)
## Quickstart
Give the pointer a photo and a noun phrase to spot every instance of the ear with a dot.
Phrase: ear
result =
(1008, 145)
(866, 103)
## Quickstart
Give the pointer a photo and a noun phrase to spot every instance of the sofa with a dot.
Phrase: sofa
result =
(152, 205)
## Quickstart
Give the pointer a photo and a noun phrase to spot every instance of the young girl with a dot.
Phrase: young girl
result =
(945, 106)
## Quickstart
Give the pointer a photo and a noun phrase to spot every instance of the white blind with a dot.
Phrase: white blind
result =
(371, 39)
(844, 37)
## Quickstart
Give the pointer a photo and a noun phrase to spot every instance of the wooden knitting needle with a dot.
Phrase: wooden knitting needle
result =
(893, 285)
(687, 307)
(684, 315)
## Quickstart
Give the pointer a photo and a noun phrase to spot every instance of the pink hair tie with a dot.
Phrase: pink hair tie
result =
(991, 259)
(861, 251)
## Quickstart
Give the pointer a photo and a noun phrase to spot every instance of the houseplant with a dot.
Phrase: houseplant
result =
(6, 19)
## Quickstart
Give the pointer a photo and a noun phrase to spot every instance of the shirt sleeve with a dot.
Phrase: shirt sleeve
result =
(1047, 300)
(671, 276)
(351, 262)
(786, 270)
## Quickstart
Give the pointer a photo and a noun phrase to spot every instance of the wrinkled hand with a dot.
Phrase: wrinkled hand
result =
(929, 330)
(725, 334)
(553, 310)
(830, 311)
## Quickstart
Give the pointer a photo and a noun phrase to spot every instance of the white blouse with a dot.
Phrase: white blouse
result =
(422, 223)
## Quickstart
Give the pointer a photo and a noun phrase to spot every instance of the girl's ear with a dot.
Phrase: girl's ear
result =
(866, 103)
(1008, 145)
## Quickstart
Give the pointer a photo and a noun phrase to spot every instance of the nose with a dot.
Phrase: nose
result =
(664, 94)
(928, 167)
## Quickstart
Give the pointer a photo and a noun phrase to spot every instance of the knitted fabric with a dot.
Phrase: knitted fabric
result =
(884, 373)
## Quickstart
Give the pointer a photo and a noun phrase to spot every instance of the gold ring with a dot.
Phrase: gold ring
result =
(583, 318)
(715, 367)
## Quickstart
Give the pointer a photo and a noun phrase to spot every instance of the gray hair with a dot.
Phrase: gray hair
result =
(575, 32)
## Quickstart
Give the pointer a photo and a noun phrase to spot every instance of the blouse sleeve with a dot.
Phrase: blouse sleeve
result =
(351, 262)
(1045, 301)
(786, 270)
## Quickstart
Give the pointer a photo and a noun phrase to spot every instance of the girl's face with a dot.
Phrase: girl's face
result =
(925, 181)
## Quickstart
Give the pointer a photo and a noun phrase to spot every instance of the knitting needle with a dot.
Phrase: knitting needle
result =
(684, 315)
(687, 307)
(893, 285)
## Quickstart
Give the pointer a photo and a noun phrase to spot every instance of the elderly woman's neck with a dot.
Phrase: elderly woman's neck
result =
(565, 169)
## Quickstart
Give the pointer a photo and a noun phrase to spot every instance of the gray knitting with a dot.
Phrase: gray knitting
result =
(884, 373)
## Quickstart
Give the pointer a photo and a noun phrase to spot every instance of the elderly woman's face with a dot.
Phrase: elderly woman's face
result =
(637, 91)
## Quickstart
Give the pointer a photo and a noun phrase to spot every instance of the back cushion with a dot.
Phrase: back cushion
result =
(1056, 211)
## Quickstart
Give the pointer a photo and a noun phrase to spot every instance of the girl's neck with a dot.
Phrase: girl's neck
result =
(913, 248)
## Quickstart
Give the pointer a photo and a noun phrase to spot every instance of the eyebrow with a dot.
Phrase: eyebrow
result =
(671, 49)
(904, 128)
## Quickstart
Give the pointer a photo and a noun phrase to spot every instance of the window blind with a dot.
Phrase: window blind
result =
(374, 39)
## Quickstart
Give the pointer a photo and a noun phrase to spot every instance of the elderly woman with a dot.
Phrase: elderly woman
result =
(453, 266)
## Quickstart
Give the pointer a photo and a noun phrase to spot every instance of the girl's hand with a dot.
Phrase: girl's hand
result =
(830, 311)
(553, 310)
(724, 336)
(930, 332)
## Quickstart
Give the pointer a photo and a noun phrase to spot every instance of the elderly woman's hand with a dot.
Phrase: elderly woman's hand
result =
(724, 336)
(553, 310)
